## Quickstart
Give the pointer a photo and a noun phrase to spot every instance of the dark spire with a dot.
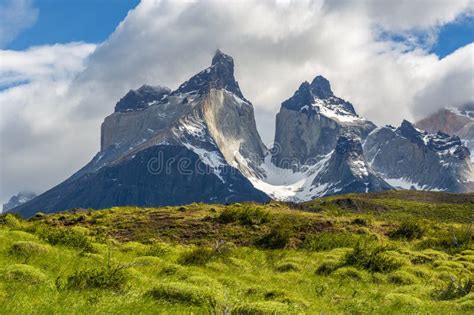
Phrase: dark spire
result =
(222, 59)
(321, 87)
(220, 75)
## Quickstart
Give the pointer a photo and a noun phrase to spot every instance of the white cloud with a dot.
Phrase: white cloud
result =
(39, 144)
(275, 46)
(15, 16)
(51, 62)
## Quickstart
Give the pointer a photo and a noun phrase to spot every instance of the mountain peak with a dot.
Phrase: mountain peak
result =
(318, 93)
(220, 75)
(222, 59)
(409, 131)
(321, 87)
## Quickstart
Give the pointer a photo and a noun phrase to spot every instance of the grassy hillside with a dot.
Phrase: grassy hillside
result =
(388, 253)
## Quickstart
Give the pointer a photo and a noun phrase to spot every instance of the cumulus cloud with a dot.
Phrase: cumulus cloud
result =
(15, 16)
(450, 82)
(275, 45)
(39, 145)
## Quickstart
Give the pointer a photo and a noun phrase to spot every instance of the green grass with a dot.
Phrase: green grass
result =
(388, 253)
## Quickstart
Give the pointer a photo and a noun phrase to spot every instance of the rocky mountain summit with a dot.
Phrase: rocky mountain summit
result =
(310, 122)
(410, 158)
(452, 120)
(199, 143)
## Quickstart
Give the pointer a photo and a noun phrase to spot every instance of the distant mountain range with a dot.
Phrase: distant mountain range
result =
(453, 120)
(199, 143)
(17, 200)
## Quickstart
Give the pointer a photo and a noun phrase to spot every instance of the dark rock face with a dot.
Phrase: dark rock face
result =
(303, 96)
(310, 122)
(347, 163)
(17, 200)
(349, 145)
(321, 87)
(141, 98)
(411, 158)
(157, 176)
(220, 75)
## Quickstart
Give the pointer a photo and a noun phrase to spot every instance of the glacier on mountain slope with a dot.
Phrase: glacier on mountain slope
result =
(287, 185)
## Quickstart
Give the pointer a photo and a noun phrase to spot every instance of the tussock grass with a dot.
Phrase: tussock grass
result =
(353, 254)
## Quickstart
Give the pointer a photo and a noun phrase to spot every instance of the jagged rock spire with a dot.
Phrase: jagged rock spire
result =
(222, 59)
(220, 75)
(307, 94)
(321, 87)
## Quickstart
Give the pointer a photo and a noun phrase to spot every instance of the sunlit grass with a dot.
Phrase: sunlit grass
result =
(240, 259)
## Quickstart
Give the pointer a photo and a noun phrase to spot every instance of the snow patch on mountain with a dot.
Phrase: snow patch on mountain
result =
(288, 185)
(405, 183)
(330, 109)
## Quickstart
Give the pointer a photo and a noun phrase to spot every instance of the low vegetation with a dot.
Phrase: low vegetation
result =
(388, 253)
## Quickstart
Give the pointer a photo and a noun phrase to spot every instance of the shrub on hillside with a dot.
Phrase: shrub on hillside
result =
(178, 292)
(198, 256)
(246, 215)
(278, 237)
(350, 273)
(22, 273)
(10, 220)
(402, 278)
(454, 289)
(454, 240)
(27, 249)
(408, 230)
(260, 308)
(108, 278)
(327, 241)
(287, 267)
(328, 267)
(371, 257)
(360, 221)
(157, 250)
(67, 237)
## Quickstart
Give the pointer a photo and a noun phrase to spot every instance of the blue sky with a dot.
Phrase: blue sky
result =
(92, 21)
(454, 35)
(63, 21)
